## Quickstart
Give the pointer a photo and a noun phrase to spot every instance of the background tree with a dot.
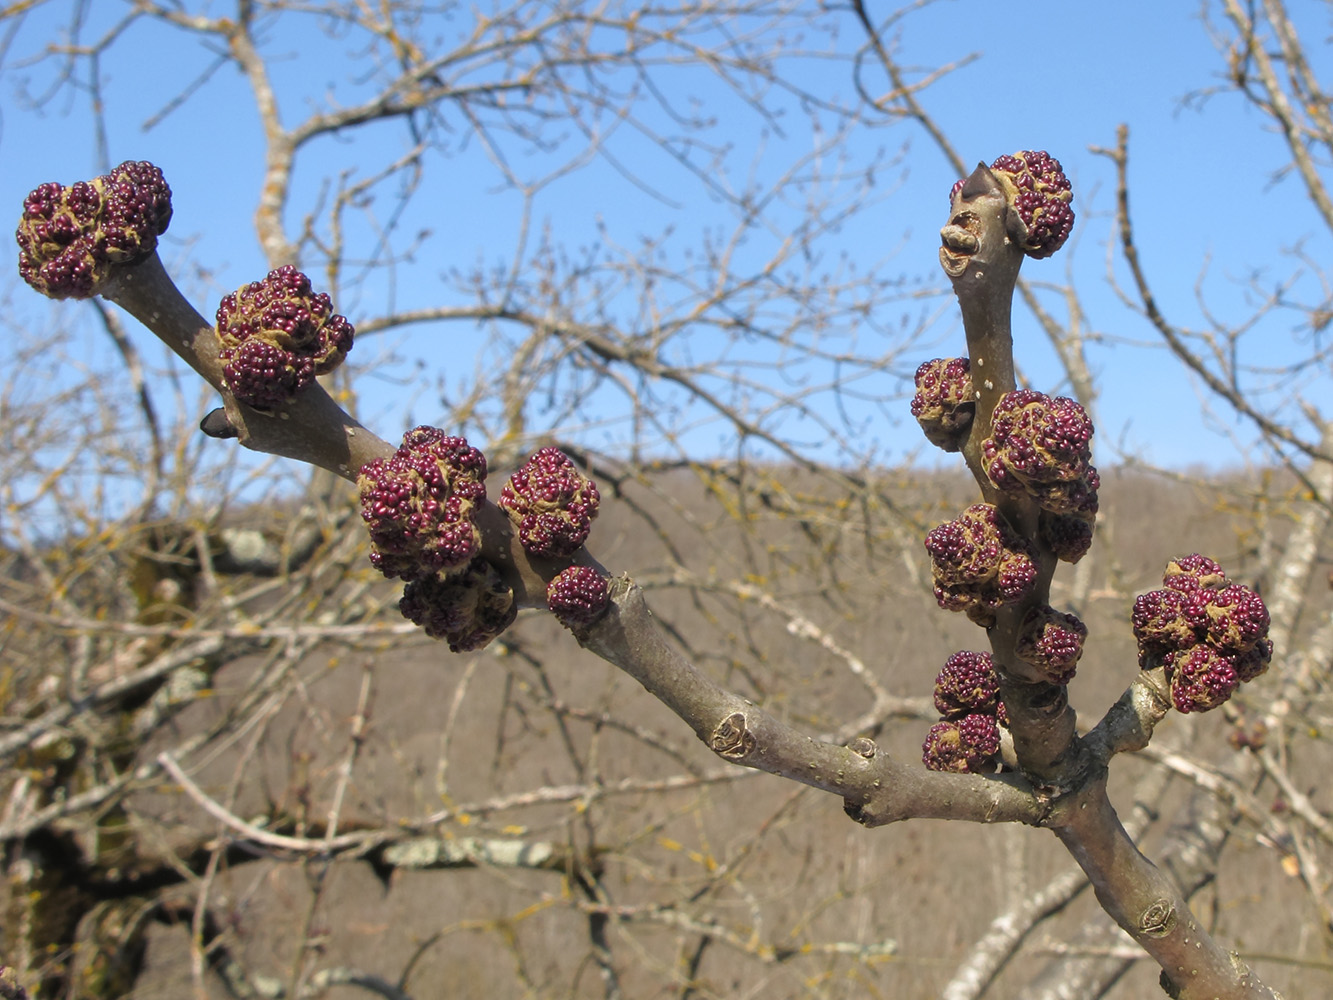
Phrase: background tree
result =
(242, 734)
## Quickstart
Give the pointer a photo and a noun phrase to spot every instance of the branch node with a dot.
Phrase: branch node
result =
(732, 739)
(1159, 919)
(959, 245)
(863, 746)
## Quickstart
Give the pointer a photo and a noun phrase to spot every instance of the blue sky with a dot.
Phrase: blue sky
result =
(1057, 76)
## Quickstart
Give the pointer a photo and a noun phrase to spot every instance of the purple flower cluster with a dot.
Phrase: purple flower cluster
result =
(577, 596)
(71, 237)
(1209, 634)
(1040, 195)
(551, 503)
(1069, 536)
(964, 746)
(466, 609)
(967, 696)
(277, 335)
(419, 505)
(1040, 446)
(1051, 641)
(967, 684)
(944, 404)
(979, 563)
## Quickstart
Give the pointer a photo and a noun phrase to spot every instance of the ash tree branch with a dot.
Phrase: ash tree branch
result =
(1062, 779)
(313, 429)
(1009, 930)
(876, 788)
(1062, 784)
(1068, 345)
(982, 258)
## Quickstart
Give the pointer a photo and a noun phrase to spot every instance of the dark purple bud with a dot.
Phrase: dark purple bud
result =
(277, 335)
(1201, 678)
(1051, 641)
(979, 563)
(967, 746)
(419, 505)
(1164, 621)
(551, 503)
(1237, 619)
(1193, 571)
(1039, 194)
(1253, 662)
(944, 403)
(1040, 446)
(1068, 536)
(967, 685)
(467, 609)
(1208, 634)
(578, 597)
(70, 239)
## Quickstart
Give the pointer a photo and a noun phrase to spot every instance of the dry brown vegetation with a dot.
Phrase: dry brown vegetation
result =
(231, 769)
(552, 795)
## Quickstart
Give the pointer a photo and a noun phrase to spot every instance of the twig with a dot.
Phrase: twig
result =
(305, 845)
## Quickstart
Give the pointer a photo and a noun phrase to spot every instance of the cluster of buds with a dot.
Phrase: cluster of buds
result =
(1039, 445)
(419, 506)
(967, 684)
(1208, 634)
(967, 696)
(578, 596)
(1039, 198)
(1068, 536)
(944, 404)
(979, 563)
(70, 238)
(277, 335)
(551, 504)
(1051, 641)
(466, 609)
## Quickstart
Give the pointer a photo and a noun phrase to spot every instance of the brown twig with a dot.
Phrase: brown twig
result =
(876, 788)
(1169, 332)
(982, 261)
